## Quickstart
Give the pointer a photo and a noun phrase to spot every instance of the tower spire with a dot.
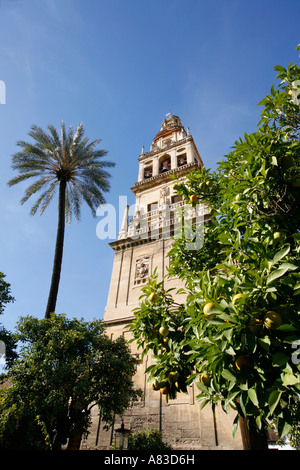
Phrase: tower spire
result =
(124, 227)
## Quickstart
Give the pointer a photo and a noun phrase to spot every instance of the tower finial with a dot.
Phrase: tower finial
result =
(124, 228)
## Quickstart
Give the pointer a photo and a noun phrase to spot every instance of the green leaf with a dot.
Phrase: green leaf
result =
(242, 405)
(279, 68)
(231, 397)
(263, 169)
(288, 266)
(283, 428)
(253, 397)
(286, 327)
(273, 89)
(201, 387)
(280, 254)
(228, 375)
(258, 421)
(181, 291)
(275, 274)
(280, 359)
(271, 289)
(265, 342)
(273, 400)
(225, 316)
(204, 402)
(235, 425)
(297, 286)
(281, 271)
(290, 379)
(230, 351)
(251, 342)
(252, 272)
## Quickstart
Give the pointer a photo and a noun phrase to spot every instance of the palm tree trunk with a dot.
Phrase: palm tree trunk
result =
(58, 250)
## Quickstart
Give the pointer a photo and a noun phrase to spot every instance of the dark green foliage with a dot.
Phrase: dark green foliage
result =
(147, 439)
(65, 368)
(8, 342)
(251, 247)
(5, 293)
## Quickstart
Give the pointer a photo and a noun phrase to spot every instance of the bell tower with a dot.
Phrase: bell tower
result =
(143, 242)
(145, 238)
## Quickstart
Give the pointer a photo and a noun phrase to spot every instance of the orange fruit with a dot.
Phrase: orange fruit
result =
(255, 325)
(272, 320)
(242, 361)
(206, 309)
(205, 379)
(153, 297)
(164, 331)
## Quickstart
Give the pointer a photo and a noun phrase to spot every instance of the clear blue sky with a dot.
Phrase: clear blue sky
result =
(119, 66)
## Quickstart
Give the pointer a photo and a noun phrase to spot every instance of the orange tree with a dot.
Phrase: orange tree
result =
(237, 333)
(65, 367)
(7, 342)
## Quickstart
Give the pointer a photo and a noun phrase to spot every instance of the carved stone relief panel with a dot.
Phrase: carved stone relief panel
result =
(142, 270)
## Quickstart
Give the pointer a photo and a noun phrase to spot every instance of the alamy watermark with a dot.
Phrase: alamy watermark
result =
(2, 92)
(296, 354)
(2, 352)
(164, 222)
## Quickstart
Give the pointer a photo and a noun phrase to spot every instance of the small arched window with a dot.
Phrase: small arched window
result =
(181, 159)
(148, 172)
(165, 164)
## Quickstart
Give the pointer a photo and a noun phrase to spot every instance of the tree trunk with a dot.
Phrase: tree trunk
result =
(61, 434)
(19, 437)
(75, 439)
(253, 438)
(58, 250)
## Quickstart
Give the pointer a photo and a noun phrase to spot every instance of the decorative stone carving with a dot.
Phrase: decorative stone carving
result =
(142, 269)
(164, 192)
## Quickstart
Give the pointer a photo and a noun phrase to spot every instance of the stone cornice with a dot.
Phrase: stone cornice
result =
(119, 321)
(126, 243)
(163, 177)
(166, 148)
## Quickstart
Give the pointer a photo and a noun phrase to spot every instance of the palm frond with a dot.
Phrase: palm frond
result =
(68, 156)
(45, 197)
(49, 195)
(37, 204)
(78, 135)
(68, 208)
(76, 200)
(54, 135)
(42, 139)
(19, 178)
(63, 137)
(33, 188)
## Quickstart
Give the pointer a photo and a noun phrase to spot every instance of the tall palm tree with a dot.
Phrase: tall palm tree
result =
(69, 163)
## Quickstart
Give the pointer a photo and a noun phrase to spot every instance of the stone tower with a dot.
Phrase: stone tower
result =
(142, 245)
